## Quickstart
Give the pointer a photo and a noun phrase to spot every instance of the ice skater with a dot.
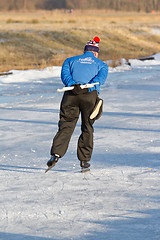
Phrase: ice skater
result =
(77, 71)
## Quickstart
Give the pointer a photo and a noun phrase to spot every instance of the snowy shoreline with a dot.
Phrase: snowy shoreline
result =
(54, 72)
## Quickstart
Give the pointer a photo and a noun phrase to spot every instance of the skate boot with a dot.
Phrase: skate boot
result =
(53, 160)
(85, 166)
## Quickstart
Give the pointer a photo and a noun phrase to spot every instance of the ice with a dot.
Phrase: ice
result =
(119, 198)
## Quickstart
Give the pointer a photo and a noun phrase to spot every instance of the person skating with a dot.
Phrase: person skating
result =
(76, 71)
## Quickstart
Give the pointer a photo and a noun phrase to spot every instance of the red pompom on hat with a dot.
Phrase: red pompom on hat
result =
(97, 39)
(92, 45)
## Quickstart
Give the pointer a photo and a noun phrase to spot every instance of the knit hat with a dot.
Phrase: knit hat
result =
(92, 45)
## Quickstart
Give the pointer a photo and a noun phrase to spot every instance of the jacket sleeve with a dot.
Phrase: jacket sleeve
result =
(66, 74)
(101, 76)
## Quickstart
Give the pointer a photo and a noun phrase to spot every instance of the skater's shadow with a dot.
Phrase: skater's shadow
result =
(20, 168)
(28, 169)
(28, 121)
(149, 160)
(11, 236)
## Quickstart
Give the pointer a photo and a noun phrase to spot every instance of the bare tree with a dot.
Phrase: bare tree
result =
(25, 4)
(120, 5)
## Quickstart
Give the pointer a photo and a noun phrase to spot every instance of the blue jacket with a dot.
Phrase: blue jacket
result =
(82, 69)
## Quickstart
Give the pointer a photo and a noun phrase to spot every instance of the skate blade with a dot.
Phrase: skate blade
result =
(50, 167)
(84, 170)
(96, 110)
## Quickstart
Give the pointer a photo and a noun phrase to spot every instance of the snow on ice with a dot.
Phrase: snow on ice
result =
(119, 198)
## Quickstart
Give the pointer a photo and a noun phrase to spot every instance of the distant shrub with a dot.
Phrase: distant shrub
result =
(72, 21)
(33, 21)
(10, 20)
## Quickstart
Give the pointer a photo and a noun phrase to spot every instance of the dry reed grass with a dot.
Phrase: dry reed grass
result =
(44, 38)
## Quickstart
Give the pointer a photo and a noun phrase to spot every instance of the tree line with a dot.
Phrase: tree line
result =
(118, 5)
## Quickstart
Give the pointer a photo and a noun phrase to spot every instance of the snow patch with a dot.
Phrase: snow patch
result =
(31, 75)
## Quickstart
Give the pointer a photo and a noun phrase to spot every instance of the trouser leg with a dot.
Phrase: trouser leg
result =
(69, 114)
(85, 142)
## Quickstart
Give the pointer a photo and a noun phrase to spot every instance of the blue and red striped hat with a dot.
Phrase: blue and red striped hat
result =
(92, 45)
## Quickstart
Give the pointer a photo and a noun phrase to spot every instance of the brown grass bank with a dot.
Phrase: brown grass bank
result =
(45, 38)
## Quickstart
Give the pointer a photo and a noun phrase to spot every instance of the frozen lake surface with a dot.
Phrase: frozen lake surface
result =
(119, 199)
